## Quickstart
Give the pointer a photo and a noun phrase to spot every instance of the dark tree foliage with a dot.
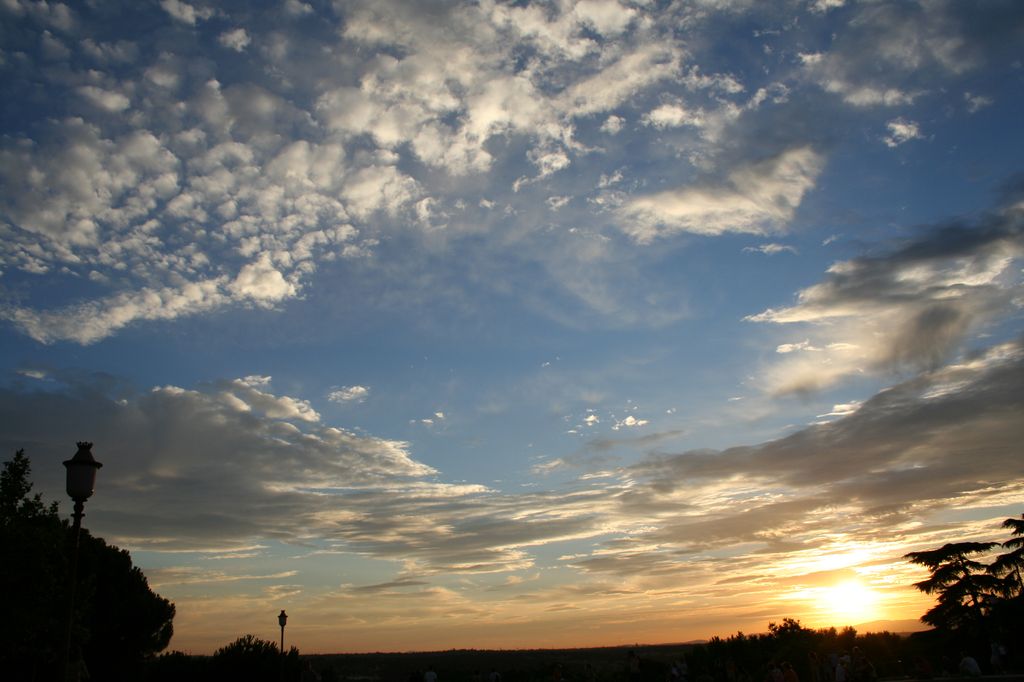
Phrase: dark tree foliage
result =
(118, 621)
(743, 657)
(127, 622)
(33, 581)
(1008, 611)
(256, 660)
(247, 658)
(1008, 566)
(978, 605)
(964, 590)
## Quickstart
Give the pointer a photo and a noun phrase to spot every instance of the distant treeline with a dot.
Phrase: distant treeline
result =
(811, 655)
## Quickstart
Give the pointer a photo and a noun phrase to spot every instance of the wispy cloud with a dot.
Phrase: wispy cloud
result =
(755, 198)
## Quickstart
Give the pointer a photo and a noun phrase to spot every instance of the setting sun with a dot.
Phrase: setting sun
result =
(850, 602)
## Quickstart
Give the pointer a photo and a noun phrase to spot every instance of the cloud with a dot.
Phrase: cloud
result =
(772, 516)
(262, 283)
(893, 53)
(184, 12)
(893, 452)
(236, 39)
(629, 423)
(90, 322)
(171, 164)
(791, 347)
(226, 456)
(755, 198)
(976, 103)
(672, 116)
(826, 5)
(770, 249)
(901, 130)
(349, 394)
(910, 308)
(613, 125)
(104, 99)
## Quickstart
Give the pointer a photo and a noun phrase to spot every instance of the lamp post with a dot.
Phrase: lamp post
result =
(282, 619)
(81, 479)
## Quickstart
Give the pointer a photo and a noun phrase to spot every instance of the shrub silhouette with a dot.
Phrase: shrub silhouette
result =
(255, 660)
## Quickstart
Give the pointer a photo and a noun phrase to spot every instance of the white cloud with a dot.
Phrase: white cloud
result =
(613, 124)
(901, 130)
(634, 71)
(869, 95)
(262, 283)
(672, 116)
(792, 347)
(379, 188)
(607, 17)
(184, 12)
(90, 322)
(236, 39)
(770, 249)
(107, 100)
(823, 6)
(755, 198)
(842, 409)
(629, 423)
(349, 394)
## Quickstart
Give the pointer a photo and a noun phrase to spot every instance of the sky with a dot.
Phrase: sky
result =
(497, 325)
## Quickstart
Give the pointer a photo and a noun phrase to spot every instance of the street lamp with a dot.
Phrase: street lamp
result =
(81, 479)
(282, 619)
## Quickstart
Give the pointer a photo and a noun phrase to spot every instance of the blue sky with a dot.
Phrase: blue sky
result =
(536, 324)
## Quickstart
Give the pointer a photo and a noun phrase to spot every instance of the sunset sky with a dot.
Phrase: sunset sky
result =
(485, 324)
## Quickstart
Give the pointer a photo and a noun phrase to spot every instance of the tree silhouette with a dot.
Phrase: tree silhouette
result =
(965, 591)
(118, 621)
(1008, 566)
(33, 581)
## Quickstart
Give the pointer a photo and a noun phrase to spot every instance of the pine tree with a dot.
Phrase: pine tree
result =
(965, 591)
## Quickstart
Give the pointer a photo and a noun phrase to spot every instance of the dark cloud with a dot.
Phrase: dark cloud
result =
(389, 586)
(948, 433)
(891, 53)
(608, 444)
(910, 308)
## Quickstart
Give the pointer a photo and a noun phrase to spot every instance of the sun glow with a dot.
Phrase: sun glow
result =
(850, 602)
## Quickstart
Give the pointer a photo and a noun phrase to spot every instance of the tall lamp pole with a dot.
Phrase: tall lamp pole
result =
(282, 619)
(81, 479)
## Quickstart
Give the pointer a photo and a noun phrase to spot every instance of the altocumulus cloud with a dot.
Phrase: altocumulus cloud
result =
(177, 189)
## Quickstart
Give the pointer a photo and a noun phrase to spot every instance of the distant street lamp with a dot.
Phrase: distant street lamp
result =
(282, 619)
(81, 479)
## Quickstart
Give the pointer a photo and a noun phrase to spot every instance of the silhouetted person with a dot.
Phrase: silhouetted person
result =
(968, 666)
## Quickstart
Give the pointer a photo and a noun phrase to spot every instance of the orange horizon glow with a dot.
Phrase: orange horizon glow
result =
(204, 625)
